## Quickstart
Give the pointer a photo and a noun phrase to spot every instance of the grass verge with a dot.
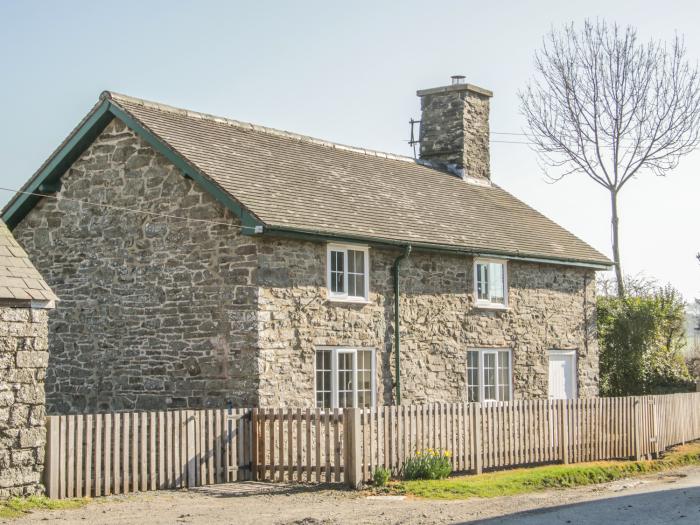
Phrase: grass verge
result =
(17, 507)
(519, 481)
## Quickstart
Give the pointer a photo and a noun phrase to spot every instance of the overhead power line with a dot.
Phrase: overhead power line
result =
(124, 209)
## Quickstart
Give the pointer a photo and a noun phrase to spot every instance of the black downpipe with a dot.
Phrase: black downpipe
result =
(397, 325)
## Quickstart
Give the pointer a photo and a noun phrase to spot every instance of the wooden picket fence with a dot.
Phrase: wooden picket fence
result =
(118, 453)
(502, 435)
(101, 454)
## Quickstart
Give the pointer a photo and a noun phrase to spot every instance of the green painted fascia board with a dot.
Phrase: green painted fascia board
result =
(49, 176)
(61, 160)
(250, 223)
(305, 235)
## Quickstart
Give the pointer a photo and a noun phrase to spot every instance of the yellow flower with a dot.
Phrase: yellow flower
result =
(448, 453)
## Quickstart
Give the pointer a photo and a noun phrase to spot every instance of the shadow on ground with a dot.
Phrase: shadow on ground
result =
(257, 488)
(681, 505)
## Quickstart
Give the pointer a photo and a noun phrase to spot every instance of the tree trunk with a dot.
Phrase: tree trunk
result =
(616, 245)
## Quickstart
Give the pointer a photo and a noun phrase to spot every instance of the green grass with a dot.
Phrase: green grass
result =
(519, 481)
(17, 507)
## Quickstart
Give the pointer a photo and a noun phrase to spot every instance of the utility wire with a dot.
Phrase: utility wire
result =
(121, 208)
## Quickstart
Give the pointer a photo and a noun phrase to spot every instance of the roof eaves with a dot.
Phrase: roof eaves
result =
(320, 235)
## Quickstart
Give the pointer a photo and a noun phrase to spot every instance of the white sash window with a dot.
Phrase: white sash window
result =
(489, 375)
(348, 273)
(490, 283)
(345, 377)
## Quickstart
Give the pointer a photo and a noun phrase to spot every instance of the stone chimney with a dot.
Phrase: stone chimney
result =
(454, 128)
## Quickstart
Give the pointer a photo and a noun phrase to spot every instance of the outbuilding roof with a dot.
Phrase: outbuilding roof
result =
(284, 183)
(20, 281)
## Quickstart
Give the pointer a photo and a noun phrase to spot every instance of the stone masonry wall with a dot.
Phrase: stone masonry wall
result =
(23, 359)
(155, 312)
(439, 323)
(454, 129)
(159, 312)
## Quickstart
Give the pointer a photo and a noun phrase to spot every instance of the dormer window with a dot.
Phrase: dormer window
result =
(490, 283)
(348, 273)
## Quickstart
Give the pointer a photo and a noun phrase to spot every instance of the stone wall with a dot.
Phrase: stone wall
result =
(454, 128)
(23, 359)
(158, 312)
(155, 312)
(550, 307)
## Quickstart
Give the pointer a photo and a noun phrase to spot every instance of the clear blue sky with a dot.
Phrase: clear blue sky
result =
(343, 71)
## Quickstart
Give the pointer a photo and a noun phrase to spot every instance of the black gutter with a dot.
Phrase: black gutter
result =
(397, 323)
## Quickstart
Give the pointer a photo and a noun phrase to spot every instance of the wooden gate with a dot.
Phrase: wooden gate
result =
(295, 444)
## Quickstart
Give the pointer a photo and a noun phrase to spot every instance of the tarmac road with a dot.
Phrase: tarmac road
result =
(667, 499)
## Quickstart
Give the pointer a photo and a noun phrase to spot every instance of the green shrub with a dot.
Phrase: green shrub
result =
(428, 464)
(641, 338)
(381, 475)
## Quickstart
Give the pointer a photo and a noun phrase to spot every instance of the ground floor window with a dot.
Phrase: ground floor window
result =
(345, 377)
(489, 375)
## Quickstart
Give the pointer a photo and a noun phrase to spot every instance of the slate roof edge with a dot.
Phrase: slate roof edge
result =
(27, 191)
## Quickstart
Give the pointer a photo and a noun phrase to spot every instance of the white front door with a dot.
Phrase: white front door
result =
(562, 374)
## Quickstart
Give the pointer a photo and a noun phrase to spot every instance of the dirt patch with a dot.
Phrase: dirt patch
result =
(265, 503)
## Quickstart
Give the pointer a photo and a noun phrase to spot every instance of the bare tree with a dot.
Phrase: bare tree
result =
(606, 105)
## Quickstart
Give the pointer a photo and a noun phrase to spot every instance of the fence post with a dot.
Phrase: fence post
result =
(353, 466)
(51, 464)
(655, 427)
(254, 454)
(635, 429)
(682, 411)
(564, 430)
(477, 437)
(191, 448)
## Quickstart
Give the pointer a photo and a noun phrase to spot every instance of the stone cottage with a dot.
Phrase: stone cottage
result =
(203, 261)
(24, 301)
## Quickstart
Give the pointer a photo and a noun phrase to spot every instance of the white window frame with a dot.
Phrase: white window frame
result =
(481, 303)
(335, 351)
(480, 373)
(344, 297)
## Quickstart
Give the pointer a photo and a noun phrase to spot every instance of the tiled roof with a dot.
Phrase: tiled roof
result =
(298, 183)
(19, 280)
(291, 183)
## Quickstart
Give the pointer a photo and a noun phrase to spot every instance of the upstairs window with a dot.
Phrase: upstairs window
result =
(348, 273)
(491, 283)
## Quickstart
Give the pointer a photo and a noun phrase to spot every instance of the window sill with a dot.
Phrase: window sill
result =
(346, 300)
(490, 306)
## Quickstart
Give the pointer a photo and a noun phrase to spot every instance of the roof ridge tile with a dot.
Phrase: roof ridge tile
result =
(116, 97)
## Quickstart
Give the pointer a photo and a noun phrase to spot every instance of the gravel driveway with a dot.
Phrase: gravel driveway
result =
(673, 497)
